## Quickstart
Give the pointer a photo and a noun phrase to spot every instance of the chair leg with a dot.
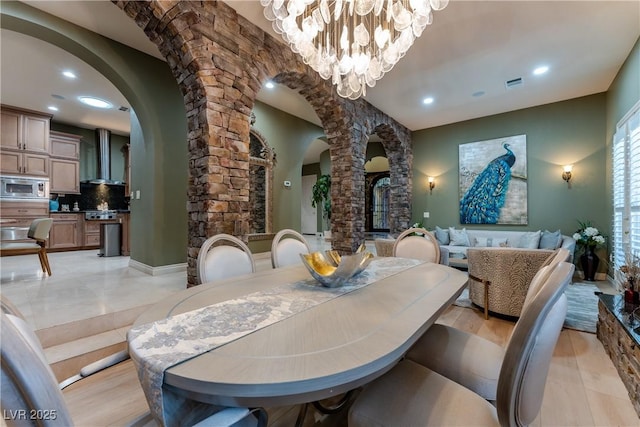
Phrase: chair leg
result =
(486, 299)
(42, 264)
(44, 260)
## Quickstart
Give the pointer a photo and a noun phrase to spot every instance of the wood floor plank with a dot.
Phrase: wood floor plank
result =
(598, 373)
(609, 410)
(565, 401)
(110, 397)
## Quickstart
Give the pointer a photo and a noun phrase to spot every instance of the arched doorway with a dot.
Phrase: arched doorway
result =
(262, 159)
(378, 202)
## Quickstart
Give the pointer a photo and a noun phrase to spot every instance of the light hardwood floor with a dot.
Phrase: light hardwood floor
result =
(583, 387)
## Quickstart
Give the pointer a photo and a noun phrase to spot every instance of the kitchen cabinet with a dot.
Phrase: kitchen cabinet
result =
(65, 231)
(64, 163)
(92, 232)
(127, 168)
(124, 218)
(24, 142)
(18, 210)
(64, 177)
(19, 163)
(24, 130)
(23, 213)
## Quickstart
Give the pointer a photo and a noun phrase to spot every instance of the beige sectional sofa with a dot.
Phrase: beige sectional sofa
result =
(458, 245)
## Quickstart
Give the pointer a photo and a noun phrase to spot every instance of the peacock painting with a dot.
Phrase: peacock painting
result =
(491, 193)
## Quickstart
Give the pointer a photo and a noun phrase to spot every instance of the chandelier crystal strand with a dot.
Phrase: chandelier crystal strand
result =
(352, 42)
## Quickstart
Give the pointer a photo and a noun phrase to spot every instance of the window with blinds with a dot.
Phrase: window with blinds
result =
(626, 188)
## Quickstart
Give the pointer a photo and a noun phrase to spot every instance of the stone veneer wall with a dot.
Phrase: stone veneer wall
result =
(622, 350)
(220, 61)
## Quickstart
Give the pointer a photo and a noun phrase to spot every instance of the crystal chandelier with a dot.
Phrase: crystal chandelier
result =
(352, 42)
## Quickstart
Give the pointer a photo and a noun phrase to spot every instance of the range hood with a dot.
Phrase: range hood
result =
(103, 165)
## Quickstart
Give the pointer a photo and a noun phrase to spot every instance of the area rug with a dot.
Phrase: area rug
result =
(582, 302)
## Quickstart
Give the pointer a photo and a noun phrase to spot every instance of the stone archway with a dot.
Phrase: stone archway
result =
(400, 158)
(220, 61)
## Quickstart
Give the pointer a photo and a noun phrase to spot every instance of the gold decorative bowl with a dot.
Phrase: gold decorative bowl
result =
(333, 270)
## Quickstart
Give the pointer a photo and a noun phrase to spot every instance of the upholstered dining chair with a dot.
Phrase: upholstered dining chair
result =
(8, 307)
(417, 243)
(222, 256)
(38, 233)
(28, 386)
(453, 353)
(286, 248)
(411, 394)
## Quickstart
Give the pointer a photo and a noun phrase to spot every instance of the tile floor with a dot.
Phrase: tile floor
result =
(84, 285)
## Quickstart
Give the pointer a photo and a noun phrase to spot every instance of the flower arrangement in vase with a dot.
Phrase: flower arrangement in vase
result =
(588, 237)
(417, 225)
(630, 273)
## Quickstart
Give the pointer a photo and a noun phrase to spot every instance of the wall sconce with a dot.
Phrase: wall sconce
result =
(432, 184)
(566, 174)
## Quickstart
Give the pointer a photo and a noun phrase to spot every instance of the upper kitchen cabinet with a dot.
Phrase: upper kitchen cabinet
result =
(24, 130)
(65, 163)
(24, 142)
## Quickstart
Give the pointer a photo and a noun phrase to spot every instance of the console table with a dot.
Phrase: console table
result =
(621, 339)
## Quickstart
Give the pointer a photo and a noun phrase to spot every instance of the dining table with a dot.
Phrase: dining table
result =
(278, 337)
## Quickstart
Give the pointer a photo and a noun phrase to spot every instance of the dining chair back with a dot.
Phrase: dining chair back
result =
(528, 355)
(8, 307)
(558, 256)
(28, 384)
(38, 233)
(29, 388)
(413, 394)
(223, 256)
(286, 248)
(417, 243)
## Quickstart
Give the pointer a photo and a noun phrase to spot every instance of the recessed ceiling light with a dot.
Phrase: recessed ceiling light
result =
(541, 70)
(69, 74)
(269, 85)
(428, 100)
(52, 108)
(94, 102)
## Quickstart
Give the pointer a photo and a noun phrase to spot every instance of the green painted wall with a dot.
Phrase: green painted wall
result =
(290, 137)
(158, 135)
(569, 132)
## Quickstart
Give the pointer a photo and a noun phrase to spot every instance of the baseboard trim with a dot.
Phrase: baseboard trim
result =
(158, 271)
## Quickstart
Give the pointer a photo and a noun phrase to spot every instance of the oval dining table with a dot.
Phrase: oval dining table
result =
(320, 351)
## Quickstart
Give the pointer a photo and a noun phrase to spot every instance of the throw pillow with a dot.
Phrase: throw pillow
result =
(458, 237)
(490, 242)
(549, 240)
(442, 236)
(529, 240)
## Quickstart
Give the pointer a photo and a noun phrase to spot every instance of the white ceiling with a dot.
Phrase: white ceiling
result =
(472, 46)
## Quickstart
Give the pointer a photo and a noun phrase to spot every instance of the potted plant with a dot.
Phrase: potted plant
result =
(321, 196)
(588, 238)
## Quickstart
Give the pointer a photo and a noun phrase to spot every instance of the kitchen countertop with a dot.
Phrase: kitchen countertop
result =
(88, 210)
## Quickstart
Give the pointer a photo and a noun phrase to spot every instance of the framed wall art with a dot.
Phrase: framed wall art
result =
(493, 181)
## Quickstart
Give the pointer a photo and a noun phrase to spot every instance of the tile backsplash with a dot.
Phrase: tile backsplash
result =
(91, 195)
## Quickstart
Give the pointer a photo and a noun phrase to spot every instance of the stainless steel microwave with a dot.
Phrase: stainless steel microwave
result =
(22, 187)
